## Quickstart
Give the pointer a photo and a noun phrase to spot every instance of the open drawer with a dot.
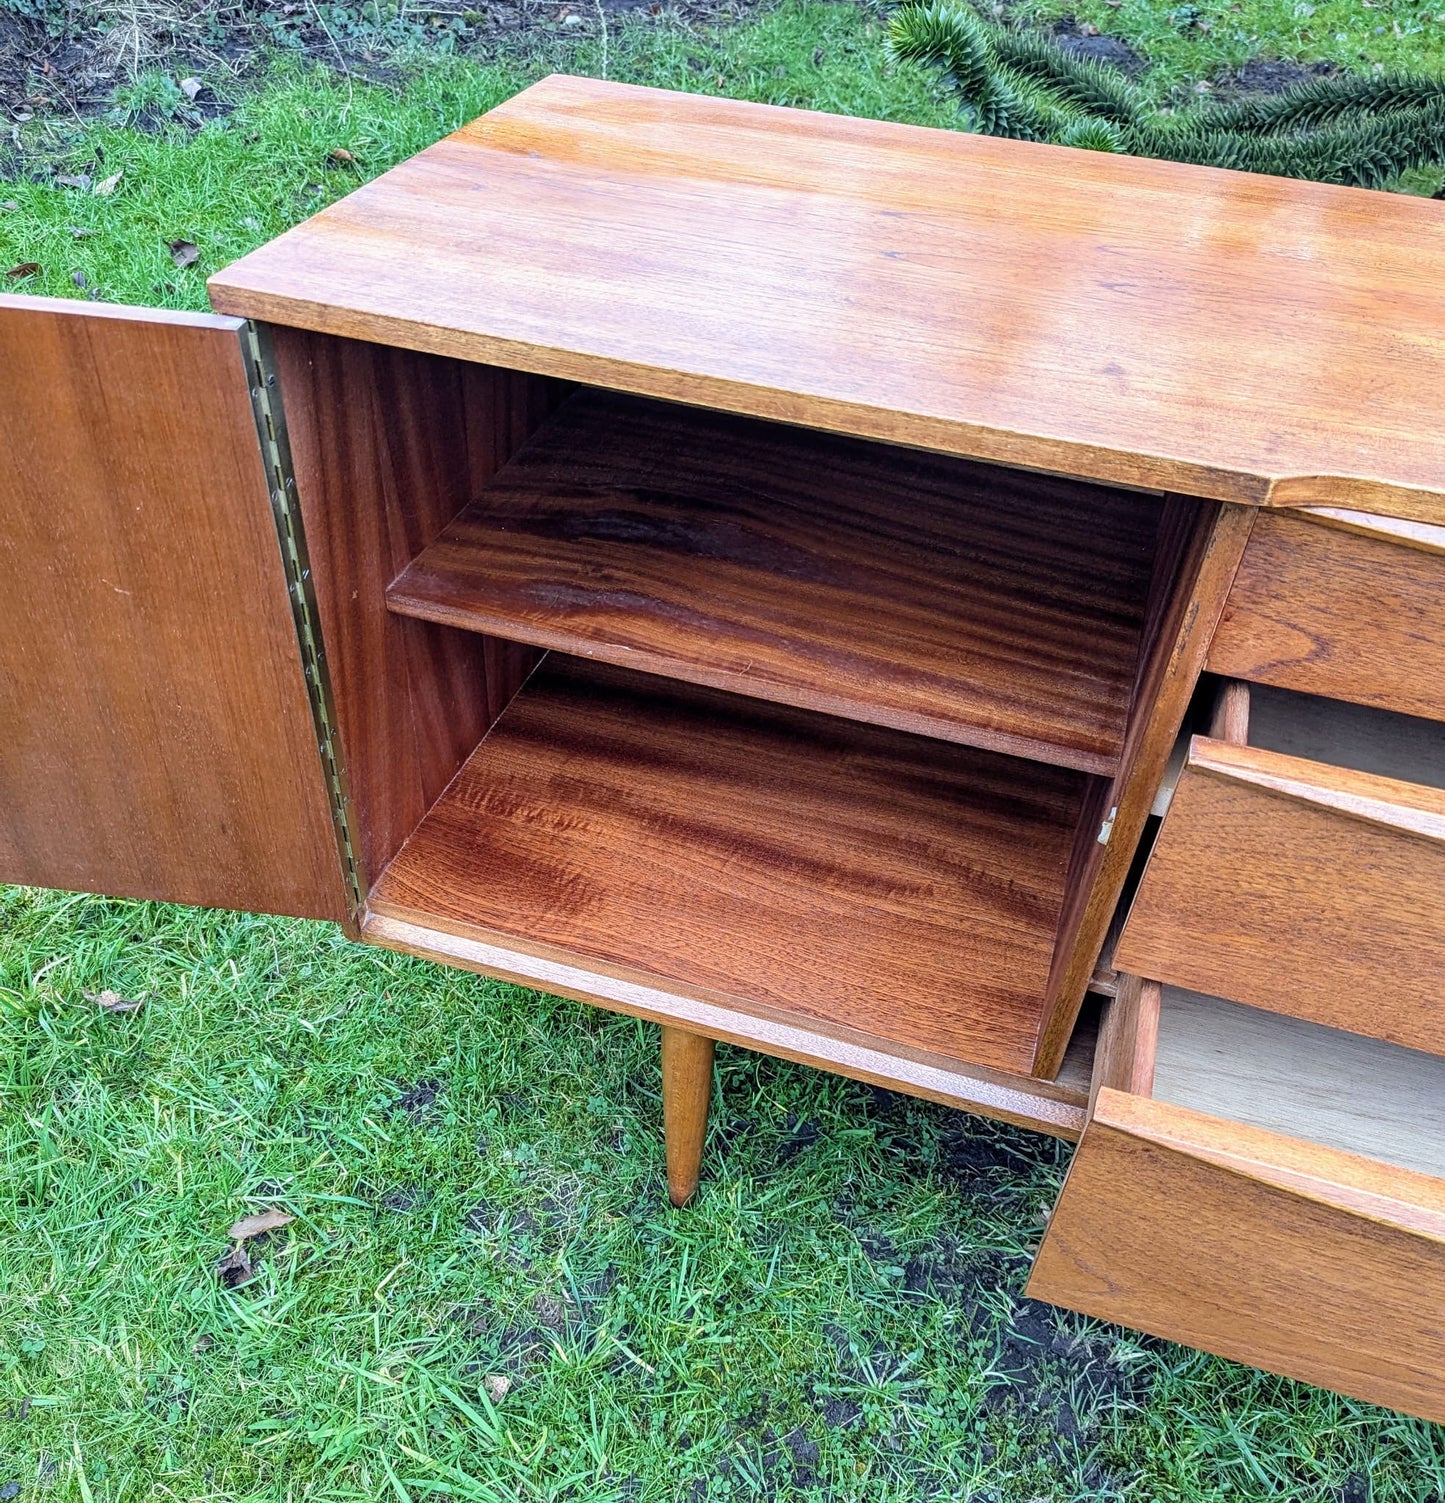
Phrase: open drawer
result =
(1269, 1190)
(1301, 867)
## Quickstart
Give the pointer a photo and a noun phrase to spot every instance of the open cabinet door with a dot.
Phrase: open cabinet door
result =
(158, 738)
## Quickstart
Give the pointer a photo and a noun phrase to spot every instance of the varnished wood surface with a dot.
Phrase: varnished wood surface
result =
(1199, 550)
(686, 1090)
(1128, 1039)
(1297, 1258)
(1056, 1107)
(1229, 719)
(388, 446)
(749, 853)
(1342, 606)
(983, 605)
(1222, 334)
(1342, 1090)
(156, 739)
(1311, 890)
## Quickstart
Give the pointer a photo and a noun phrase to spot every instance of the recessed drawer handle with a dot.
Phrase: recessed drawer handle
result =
(1406, 807)
(1357, 1185)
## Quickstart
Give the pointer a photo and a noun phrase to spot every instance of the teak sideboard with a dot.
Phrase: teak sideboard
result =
(962, 613)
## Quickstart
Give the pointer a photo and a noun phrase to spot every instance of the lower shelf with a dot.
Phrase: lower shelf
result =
(1058, 1107)
(754, 857)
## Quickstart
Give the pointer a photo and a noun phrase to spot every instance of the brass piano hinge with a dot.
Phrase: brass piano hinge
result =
(286, 512)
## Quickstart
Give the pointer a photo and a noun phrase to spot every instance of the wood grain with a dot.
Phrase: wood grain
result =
(1229, 718)
(1311, 890)
(752, 854)
(1128, 1039)
(1220, 334)
(156, 739)
(1351, 610)
(1199, 550)
(388, 446)
(1056, 1107)
(686, 1090)
(982, 605)
(1297, 1258)
(1324, 1085)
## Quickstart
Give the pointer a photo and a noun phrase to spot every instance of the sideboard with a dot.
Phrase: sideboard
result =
(962, 613)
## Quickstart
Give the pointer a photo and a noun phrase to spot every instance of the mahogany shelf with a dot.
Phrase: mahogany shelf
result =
(986, 606)
(754, 855)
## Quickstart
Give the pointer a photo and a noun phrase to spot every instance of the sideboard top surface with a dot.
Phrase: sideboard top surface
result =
(1245, 338)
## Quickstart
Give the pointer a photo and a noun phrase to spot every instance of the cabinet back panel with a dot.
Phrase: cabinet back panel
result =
(156, 740)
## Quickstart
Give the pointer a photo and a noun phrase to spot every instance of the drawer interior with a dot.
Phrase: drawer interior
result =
(1301, 1079)
(1341, 734)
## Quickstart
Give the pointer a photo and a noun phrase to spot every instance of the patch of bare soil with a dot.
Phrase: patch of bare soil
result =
(1085, 40)
(1265, 76)
(77, 63)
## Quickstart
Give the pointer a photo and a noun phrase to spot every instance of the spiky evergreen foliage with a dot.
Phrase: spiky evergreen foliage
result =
(1079, 81)
(1361, 131)
(1324, 101)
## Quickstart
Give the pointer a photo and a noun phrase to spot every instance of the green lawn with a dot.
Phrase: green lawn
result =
(484, 1294)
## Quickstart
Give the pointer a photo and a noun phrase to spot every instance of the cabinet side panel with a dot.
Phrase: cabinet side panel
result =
(388, 445)
(1200, 544)
(156, 739)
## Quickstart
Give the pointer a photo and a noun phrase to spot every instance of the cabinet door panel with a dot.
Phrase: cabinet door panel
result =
(156, 735)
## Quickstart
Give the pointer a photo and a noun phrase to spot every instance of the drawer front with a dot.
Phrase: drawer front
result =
(1306, 1261)
(1347, 606)
(1301, 888)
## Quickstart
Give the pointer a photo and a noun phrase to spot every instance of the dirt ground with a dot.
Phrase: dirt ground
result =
(75, 64)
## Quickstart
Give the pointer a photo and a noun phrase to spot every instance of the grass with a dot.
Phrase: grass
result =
(476, 1170)
(476, 1176)
(1193, 41)
(240, 180)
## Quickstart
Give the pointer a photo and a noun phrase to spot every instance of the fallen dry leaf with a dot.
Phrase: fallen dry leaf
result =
(498, 1387)
(10, 205)
(23, 269)
(190, 87)
(262, 1221)
(79, 180)
(184, 252)
(340, 154)
(79, 232)
(109, 1001)
(107, 185)
(80, 279)
(235, 1268)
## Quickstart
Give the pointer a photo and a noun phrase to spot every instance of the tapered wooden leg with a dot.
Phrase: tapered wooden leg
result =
(686, 1087)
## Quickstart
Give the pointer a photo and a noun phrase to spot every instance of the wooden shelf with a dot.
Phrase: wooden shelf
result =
(985, 606)
(754, 856)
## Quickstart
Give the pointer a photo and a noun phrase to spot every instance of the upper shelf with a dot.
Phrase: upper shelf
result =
(985, 606)
(1245, 338)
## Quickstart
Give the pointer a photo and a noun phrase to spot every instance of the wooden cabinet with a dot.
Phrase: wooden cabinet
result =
(751, 570)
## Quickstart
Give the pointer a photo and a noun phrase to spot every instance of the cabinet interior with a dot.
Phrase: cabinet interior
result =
(810, 727)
